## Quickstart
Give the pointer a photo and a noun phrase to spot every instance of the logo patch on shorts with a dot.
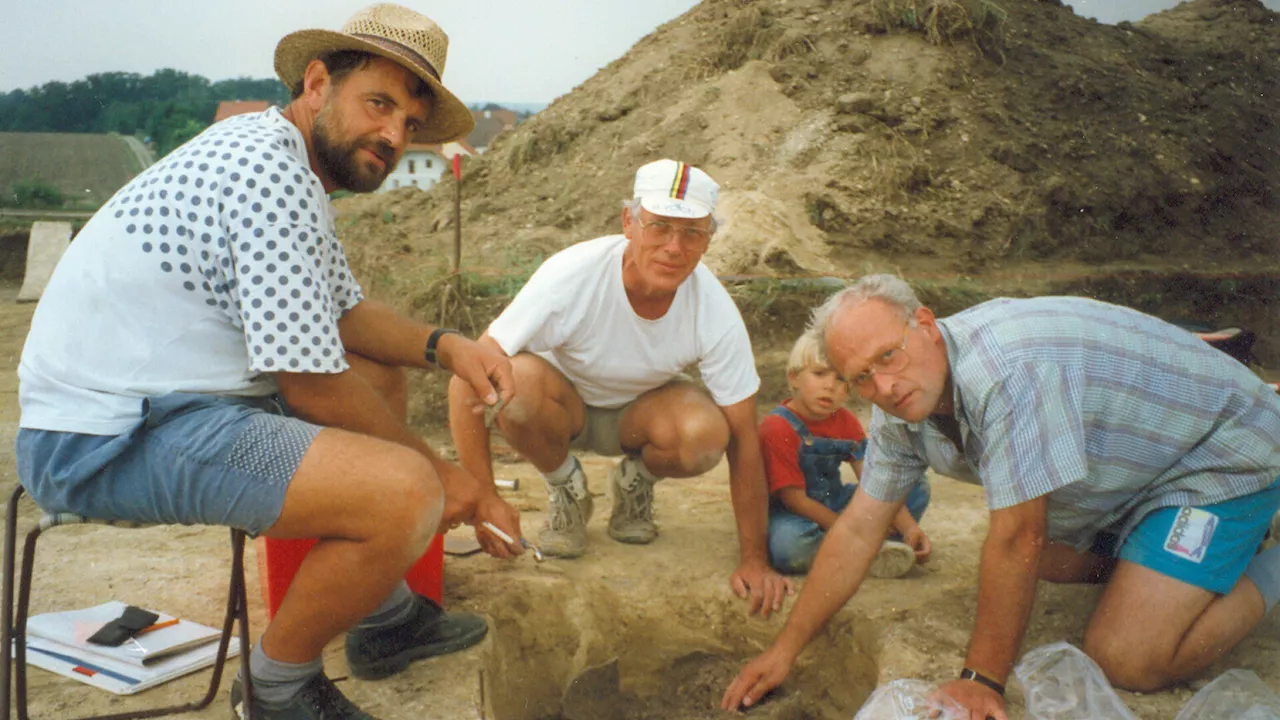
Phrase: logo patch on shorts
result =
(1191, 533)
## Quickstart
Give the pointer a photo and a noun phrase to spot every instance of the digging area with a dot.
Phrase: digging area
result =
(583, 651)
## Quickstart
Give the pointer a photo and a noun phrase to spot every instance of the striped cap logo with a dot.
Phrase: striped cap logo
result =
(674, 189)
(680, 185)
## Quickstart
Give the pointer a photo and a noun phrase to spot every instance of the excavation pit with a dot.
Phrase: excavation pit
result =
(564, 651)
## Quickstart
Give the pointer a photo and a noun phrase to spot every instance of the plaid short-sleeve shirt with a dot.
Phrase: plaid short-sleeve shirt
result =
(1110, 412)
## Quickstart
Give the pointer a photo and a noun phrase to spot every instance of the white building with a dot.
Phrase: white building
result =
(422, 166)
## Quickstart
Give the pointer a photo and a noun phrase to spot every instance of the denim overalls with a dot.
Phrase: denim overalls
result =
(820, 459)
(794, 540)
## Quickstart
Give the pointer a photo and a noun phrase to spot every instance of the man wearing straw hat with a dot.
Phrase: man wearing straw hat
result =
(599, 338)
(202, 355)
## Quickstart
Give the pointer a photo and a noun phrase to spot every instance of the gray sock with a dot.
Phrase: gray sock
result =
(561, 475)
(1264, 571)
(275, 682)
(392, 610)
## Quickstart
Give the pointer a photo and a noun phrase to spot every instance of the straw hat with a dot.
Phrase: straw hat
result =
(395, 33)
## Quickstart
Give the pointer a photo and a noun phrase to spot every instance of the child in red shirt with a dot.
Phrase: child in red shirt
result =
(804, 441)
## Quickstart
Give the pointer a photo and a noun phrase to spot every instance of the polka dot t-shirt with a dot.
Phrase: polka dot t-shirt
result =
(214, 268)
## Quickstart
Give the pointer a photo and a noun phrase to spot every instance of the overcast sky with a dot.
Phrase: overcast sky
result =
(500, 50)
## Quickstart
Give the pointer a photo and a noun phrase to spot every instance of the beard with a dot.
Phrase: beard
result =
(338, 158)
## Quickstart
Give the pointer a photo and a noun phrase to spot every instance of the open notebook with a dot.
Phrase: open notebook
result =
(58, 642)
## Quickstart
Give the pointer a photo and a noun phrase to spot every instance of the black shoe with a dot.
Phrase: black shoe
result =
(317, 700)
(374, 653)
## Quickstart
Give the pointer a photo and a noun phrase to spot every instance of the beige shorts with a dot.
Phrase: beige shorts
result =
(601, 431)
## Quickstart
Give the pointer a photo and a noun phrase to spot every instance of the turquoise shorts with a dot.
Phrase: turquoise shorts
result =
(1208, 546)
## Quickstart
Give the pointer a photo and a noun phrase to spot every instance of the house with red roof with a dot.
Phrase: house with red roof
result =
(227, 108)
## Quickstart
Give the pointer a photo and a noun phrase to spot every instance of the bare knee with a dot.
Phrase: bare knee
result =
(407, 515)
(1128, 665)
(702, 438)
(535, 386)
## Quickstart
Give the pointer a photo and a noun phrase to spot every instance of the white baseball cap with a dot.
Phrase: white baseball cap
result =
(671, 188)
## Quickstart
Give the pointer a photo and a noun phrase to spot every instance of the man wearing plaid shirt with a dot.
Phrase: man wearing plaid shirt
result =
(1113, 448)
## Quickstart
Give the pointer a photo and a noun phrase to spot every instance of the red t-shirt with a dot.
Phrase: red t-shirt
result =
(780, 445)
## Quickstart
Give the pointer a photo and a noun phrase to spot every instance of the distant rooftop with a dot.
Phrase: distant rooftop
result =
(227, 108)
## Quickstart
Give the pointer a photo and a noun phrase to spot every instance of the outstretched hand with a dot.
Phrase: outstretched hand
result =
(762, 588)
(761, 675)
(486, 369)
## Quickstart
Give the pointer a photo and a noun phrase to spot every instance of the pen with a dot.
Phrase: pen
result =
(157, 626)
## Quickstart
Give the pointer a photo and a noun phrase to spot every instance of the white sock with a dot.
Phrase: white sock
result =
(561, 475)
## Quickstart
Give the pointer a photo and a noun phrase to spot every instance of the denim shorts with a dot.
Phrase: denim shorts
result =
(1208, 546)
(190, 460)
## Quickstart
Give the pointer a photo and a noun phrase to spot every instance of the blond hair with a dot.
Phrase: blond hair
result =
(808, 352)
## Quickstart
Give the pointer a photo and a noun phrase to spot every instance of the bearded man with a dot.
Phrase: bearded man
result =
(202, 355)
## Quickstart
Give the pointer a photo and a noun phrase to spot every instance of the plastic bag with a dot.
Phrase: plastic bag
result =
(1060, 682)
(1236, 694)
(909, 700)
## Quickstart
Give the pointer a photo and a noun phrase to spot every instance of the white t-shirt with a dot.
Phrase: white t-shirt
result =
(574, 312)
(215, 266)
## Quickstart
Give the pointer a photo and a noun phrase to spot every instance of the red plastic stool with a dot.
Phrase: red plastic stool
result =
(278, 562)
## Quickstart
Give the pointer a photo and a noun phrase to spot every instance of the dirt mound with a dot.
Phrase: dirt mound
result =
(845, 142)
(978, 150)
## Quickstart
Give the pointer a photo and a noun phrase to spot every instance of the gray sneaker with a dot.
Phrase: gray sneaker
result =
(632, 518)
(569, 507)
(894, 560)
(317, 700)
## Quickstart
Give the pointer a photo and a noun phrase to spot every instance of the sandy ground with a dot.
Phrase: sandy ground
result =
(664, 611)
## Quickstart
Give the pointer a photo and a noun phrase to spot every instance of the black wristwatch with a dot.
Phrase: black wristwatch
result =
(430, 353)
(967, 674)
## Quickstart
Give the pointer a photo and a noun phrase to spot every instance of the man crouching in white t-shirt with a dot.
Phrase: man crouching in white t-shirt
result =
(599, 338)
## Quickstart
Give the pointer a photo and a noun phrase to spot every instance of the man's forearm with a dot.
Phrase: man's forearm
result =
(347, 401)
(470, 435)
(750, 500)
(374, 330)
(1006, 591)
(838, 570)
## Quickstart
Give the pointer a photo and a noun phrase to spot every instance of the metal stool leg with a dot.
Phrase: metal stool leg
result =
(237, 609)
(240, 596)
(20, 623)
(6, 613)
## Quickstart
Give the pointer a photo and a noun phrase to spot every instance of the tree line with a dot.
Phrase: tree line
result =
(169, 107)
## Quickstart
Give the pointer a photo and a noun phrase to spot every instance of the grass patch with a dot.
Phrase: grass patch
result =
(980, 21)
(87, 169)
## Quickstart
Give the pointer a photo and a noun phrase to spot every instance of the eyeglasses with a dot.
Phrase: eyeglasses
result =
(894, 360)
(659, 232)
